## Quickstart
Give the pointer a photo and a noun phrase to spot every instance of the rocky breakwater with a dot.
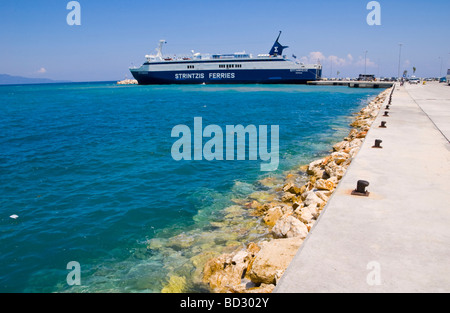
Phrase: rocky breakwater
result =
(127, 82)
(289, 216)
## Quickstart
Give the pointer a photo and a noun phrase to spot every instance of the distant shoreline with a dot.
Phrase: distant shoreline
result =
(58, 83)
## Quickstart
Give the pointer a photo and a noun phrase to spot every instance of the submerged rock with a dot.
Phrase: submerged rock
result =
(262, 196)
(181, 241)
(270, 182)
(177, 284)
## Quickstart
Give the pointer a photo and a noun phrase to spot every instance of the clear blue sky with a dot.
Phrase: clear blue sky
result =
(35, 40)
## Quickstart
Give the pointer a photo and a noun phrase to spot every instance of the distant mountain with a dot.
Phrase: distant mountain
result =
(6, 79)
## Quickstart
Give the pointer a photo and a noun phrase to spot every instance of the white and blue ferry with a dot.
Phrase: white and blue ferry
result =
(237, 68)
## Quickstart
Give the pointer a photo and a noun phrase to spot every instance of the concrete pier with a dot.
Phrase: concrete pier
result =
(398, 238)
(352, 84)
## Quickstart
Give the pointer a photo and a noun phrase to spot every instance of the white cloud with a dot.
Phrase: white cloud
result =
(338, 61)
(313, 57)
(317, 56)
(346, 65)
(42, 70)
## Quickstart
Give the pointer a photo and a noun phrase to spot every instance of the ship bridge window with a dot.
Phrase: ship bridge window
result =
(230, 65)
(190, 66)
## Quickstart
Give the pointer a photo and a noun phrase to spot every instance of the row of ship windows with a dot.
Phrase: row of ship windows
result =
(230, 65)
(221, 66)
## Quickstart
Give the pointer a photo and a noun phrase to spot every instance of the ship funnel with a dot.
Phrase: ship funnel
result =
(277, 48)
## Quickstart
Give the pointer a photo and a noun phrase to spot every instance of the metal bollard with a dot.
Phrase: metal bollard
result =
(383, 124)
(377, 144)
(361, 189)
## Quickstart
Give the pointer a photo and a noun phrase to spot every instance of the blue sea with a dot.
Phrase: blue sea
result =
(88, 170)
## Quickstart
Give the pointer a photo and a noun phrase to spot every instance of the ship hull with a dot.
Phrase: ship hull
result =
(250, 76)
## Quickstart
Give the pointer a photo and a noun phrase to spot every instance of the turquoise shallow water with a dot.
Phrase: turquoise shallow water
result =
(88, 170)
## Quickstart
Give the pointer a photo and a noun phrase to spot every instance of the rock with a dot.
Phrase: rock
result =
(290, 177)
(239, 258)
(270, 182)
(262, 196)
(292, 188)
(361, 134)
(339, 157)
(324, 195)
(288, 197)
(303, 168)
(219, 273)
(213, 266)
(233, 211)
(351, 135)
(177, 284)
(341, 146)
(346, 164)
(314, 210)
(326, 160)
(304, 215)
(256, 207)
(127, 82)
(181, 241)
(253, 204)
(226, 271)
(263, 288)
(358, 123)
(355, 143)
(288, 227)
(156, 244)
(250, 287)
(332, 169)
(266, 207)
(315, 168)
(272, 260)
(323, 184)
(200, 260)
(312, 200)
(352, 152)
(334, 179)
(272, 215)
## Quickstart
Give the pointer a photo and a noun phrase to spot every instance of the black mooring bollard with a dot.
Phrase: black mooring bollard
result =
(386, 113)
(377, 144)
(383, 124)
(387, 107)
(361, 188)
